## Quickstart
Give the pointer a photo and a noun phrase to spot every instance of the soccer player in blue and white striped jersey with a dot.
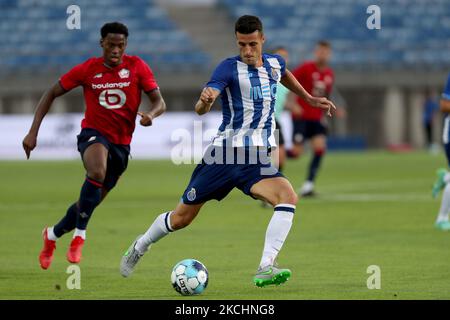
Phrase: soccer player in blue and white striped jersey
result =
(443, 176)
(239, 155)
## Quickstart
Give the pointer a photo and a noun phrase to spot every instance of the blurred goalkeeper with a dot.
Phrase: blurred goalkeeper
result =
(239, 156)
(112, 87)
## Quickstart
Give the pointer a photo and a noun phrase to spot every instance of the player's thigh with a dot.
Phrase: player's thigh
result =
(95, 159)
(319, 142)
(116, 165)
(184, 214)
(275, 191)
(279, 155)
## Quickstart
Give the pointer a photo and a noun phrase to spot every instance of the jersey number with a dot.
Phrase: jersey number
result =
(112, 98)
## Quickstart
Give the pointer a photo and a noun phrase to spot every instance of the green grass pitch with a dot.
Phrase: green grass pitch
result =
(373, 209)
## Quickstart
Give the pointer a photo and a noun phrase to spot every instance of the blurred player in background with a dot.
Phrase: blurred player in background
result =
(430, 107)
(280, 103)
(317, 78)
(247, 84)
(112, 86)
(443, 175)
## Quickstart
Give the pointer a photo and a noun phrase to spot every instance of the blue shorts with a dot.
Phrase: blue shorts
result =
(216, 180)
(117, 155)
(447, 153)
(306, 129)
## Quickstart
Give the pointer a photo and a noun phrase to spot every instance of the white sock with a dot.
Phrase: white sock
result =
(159, 229)
(308, 186)
(277, 232)
(447, 177)
(445, 205)
(51, 235)
(80, 233)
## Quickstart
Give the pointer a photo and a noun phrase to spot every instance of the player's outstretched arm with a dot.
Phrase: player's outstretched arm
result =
(29, 142)
(158, 107)
(290, 82)
(206, 100)
(445, 105)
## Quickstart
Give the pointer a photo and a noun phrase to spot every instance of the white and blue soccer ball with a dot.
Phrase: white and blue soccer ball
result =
(189, 277)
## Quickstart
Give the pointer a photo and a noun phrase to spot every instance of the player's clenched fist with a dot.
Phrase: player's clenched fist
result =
(146, 119)
(208, 95)
(29, 143)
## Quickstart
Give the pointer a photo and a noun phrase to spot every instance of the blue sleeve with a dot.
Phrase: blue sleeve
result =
(221, 77)
(446, 93)
(282, 63)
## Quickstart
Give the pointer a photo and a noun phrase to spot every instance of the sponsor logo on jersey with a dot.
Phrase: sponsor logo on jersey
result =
(265, 91)
(112, 98)
(110, 85)
(124, 73)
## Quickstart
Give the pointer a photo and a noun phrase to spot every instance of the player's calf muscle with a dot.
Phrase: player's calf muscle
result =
(183, 215)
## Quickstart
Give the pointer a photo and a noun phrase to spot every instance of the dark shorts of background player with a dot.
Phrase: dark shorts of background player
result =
(447, 152)
(280, 134)
(306, 129)
(215, 181)
(117, 155)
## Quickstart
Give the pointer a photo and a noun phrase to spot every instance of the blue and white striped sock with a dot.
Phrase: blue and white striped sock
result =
(277, 232)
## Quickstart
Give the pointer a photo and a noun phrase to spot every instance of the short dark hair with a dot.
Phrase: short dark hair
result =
(248, 24)
(324, 43)
(114, 27)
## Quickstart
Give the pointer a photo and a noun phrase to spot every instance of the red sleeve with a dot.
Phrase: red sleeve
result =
(147, 81)
(299, 73)
(73, 78)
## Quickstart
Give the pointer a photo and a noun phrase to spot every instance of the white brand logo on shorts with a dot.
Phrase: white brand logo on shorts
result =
(92, 138)
(84, 215)
(191, 195)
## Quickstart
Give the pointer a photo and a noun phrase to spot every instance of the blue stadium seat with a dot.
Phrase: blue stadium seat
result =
(414, 33)
(35, 34)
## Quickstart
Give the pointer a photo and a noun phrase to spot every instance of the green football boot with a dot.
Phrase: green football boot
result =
(439, 184)
(271, 275)
(443, 225)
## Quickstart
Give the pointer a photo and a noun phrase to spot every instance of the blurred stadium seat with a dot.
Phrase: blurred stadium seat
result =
(414, 34)
(34, 35)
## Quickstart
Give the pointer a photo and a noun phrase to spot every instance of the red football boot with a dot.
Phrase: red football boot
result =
(46, 255)
(74, 253)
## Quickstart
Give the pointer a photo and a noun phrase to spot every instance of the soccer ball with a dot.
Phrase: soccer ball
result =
(189, 277)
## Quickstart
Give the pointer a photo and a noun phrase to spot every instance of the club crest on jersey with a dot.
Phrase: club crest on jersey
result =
(275, 75)
(124, 73)
(191, 195)
(98, 75)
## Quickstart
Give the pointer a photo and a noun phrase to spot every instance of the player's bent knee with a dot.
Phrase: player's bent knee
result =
(320, 152)
(98, 174)
(289, 197)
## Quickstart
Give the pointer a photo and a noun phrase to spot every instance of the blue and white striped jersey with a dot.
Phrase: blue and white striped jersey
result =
(446, 96)
(248, 100)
